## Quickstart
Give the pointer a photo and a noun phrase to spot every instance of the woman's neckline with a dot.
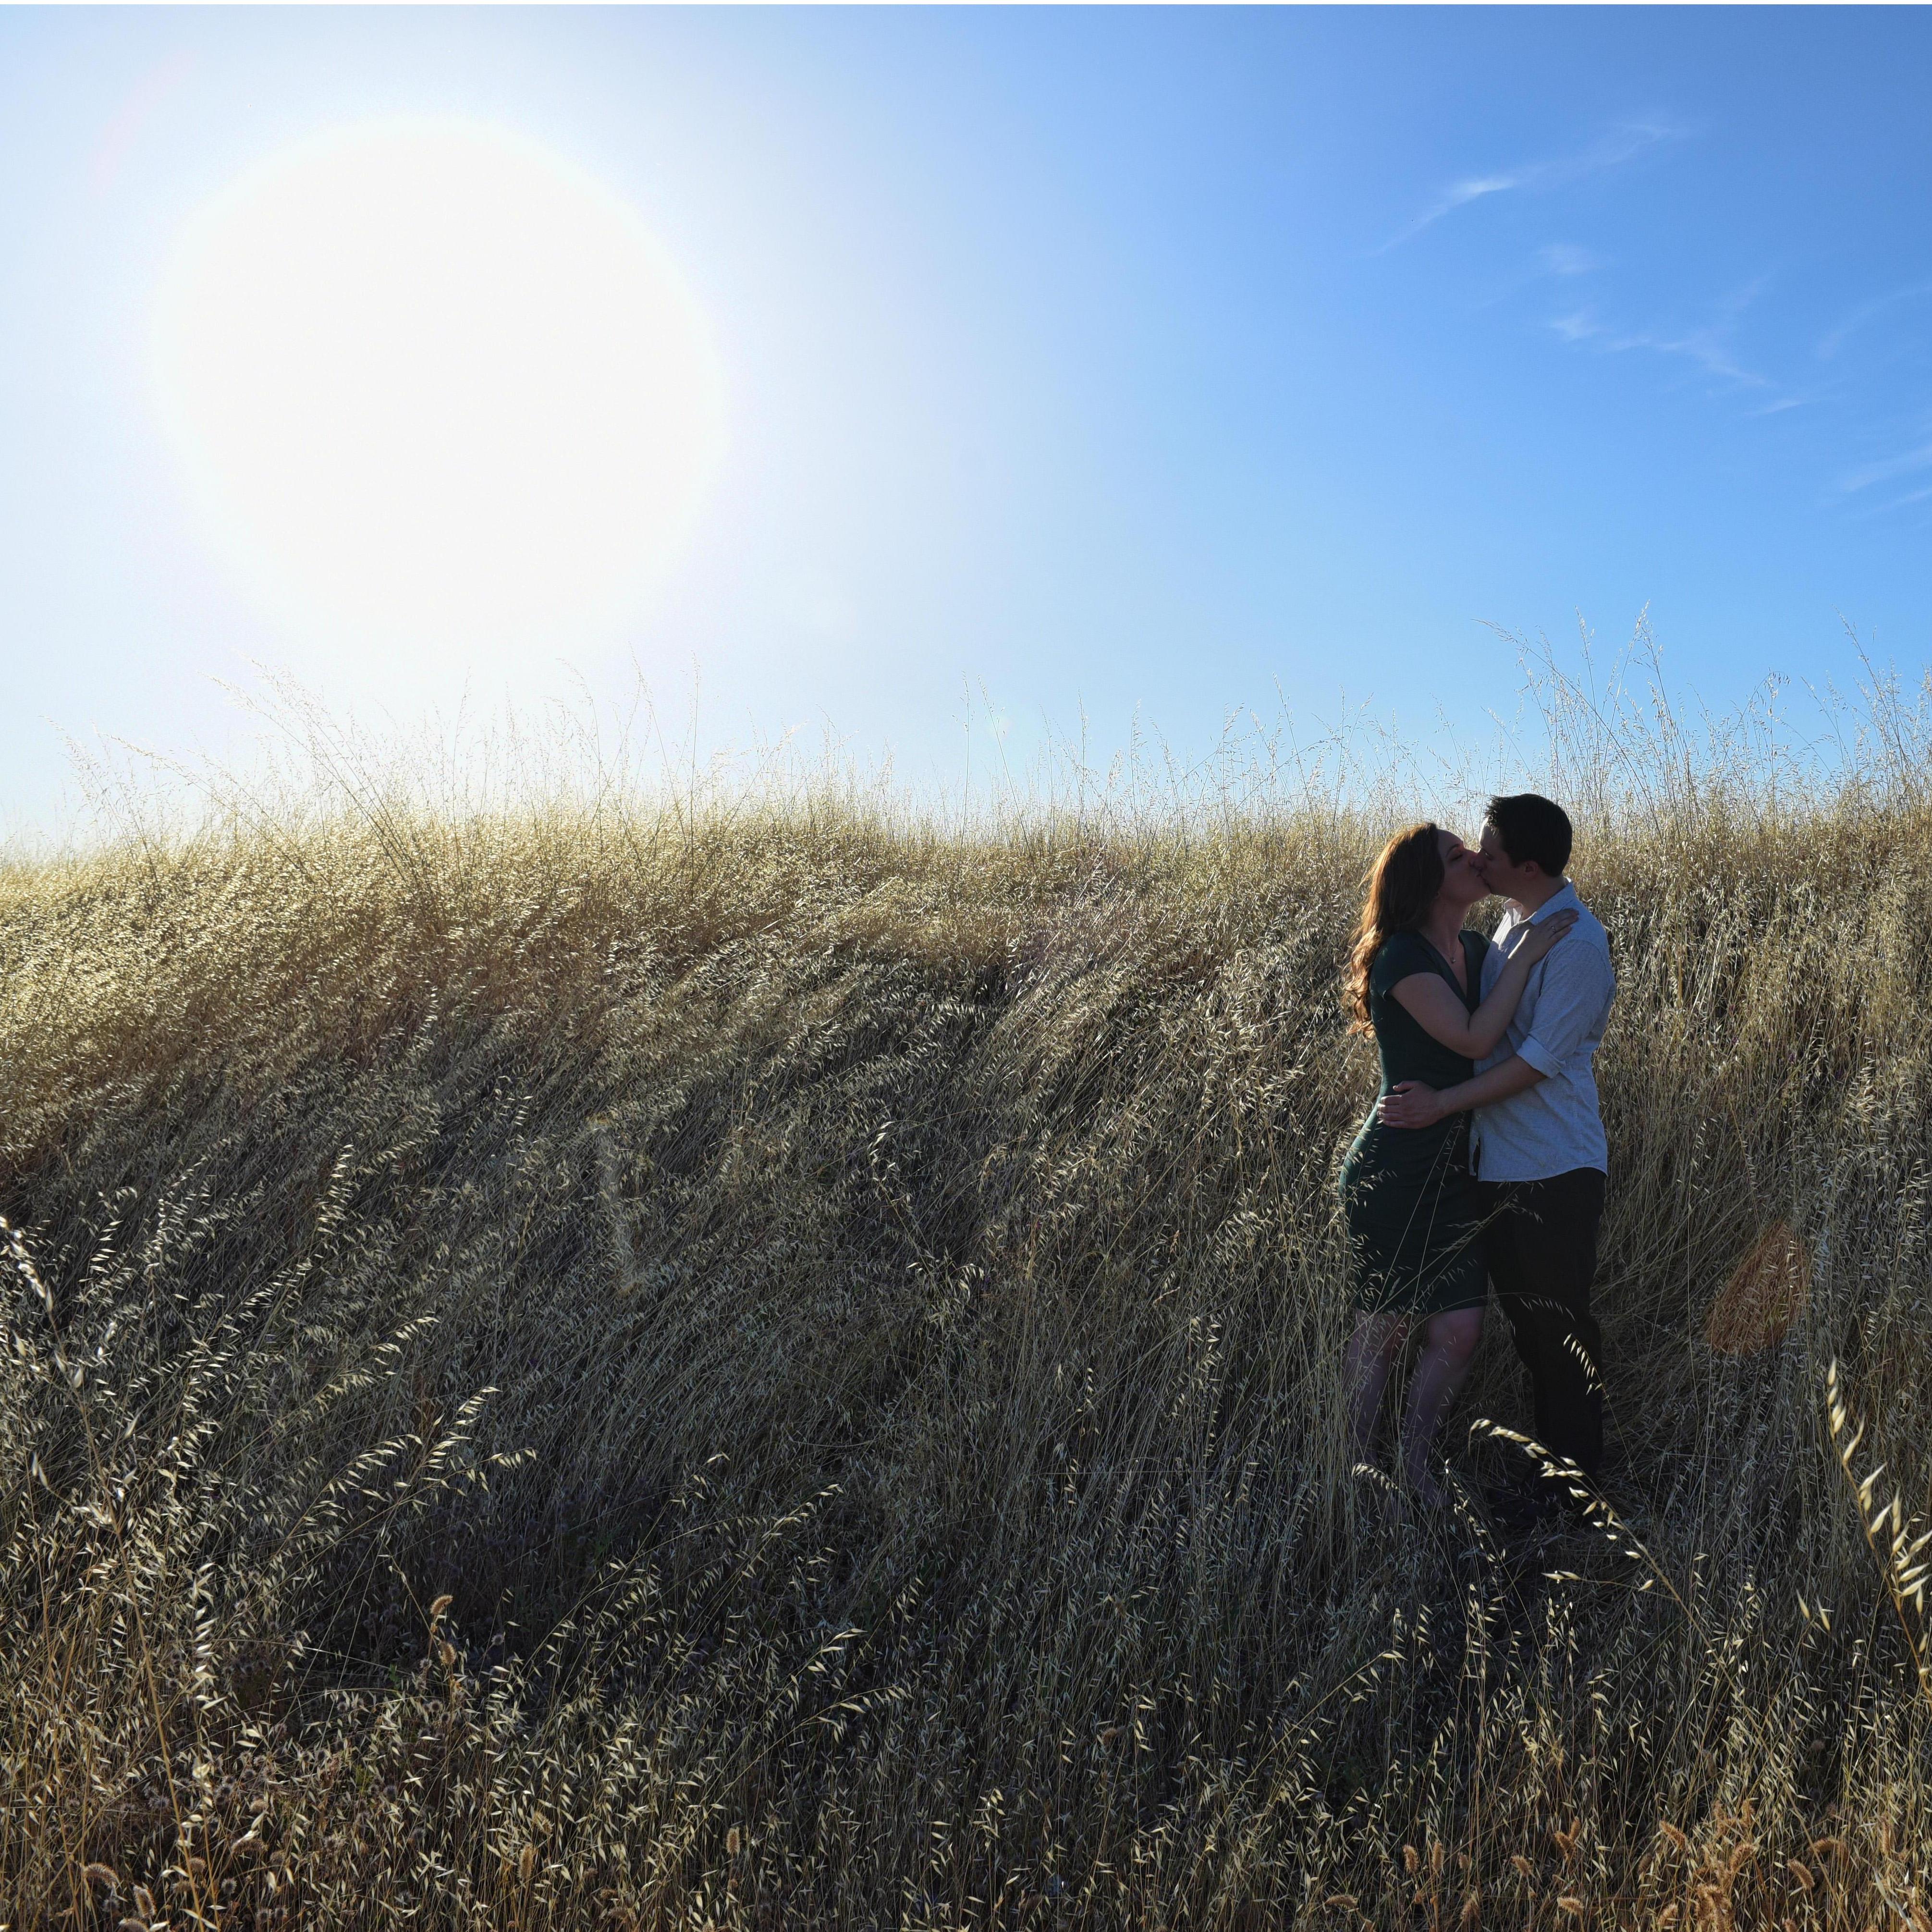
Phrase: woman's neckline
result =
(1458, 980)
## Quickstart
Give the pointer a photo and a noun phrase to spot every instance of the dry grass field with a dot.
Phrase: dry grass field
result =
(763, 1365)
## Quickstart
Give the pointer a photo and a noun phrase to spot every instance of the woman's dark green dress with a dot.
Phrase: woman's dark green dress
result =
(1414, 1245)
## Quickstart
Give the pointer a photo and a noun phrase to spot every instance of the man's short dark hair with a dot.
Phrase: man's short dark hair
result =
(1531, 827)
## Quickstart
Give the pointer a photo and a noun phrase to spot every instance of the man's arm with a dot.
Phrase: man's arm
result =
(1577, 985)
(1410, 1104)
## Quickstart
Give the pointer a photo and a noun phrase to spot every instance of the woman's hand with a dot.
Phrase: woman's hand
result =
(1410, 1104)
(1542, 934)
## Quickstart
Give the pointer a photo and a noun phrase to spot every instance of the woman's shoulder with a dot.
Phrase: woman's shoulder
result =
(1399, 955)
(1475, 946)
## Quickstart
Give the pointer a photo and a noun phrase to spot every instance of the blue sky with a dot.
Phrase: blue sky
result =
(1139, 364)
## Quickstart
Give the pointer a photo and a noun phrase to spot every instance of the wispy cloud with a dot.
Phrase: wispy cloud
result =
(1886, 508)
(1581, 325)
(1834, 339)
(1621, 144)
(1710, 347)
(1906, 463)
(1565, 258)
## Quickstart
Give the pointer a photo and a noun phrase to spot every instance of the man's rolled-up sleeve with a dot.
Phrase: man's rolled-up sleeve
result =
(1576, 985)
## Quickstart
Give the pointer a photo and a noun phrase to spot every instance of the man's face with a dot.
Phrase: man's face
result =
(1500, 873)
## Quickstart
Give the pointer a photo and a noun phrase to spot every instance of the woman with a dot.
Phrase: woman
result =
(1415, 981)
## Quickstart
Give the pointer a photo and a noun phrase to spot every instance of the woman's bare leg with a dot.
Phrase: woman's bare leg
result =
(1373, 1350)
(1448, 1349)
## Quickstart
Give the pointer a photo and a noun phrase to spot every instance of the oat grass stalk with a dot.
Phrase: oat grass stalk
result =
(1898, 1543)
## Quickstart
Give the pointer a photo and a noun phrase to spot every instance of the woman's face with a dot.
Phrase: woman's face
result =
(1462, 874)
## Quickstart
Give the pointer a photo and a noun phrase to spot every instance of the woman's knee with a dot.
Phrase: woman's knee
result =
(1391, 1335)
(1454, 1336)
(1380, 1333)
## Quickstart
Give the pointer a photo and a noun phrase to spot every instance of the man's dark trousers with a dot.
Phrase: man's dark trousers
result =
(1540, 1241)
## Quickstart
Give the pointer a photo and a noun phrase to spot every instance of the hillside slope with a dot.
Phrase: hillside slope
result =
(780, 1369)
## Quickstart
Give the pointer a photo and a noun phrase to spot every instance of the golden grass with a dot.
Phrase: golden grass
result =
(1766, 1292)
(757, 1367)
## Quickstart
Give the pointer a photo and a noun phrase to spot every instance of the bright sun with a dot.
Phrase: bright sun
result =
(437, 390)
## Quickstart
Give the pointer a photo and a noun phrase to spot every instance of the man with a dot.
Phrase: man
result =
(1538, 1149)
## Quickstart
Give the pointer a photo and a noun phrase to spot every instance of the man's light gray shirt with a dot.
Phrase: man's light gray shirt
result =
(1554, 1126)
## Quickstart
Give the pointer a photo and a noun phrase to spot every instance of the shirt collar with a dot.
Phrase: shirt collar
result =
(1563, 899)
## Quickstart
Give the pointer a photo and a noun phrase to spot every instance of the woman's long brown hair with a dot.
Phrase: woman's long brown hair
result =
(1401, 887)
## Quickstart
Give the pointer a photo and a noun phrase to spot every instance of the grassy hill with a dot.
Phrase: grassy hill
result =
(769, 1368)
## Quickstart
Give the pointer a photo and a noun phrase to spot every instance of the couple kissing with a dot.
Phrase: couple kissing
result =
(1483, 1160)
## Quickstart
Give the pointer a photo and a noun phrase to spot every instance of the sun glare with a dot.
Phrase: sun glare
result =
(436, 390)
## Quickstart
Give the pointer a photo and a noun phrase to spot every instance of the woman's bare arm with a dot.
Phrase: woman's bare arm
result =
(1427, 999)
